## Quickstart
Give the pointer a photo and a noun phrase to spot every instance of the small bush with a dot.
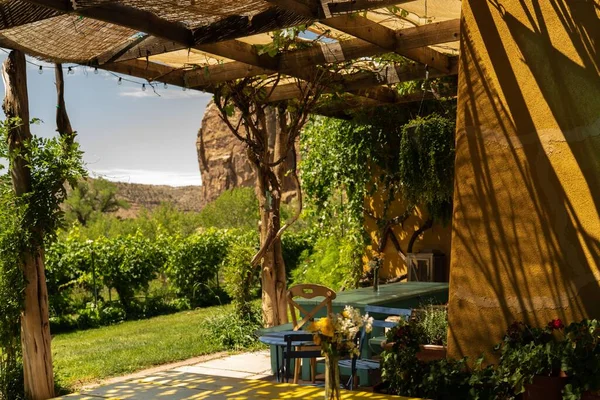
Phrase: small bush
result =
(334, 262)
(235, 331)
(433, 321)
(12, 386)
(236, 208)
(128, 264)
(241, 279)
(194, 264)
(293, 246)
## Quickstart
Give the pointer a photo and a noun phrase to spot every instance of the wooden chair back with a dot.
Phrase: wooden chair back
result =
(309, 291)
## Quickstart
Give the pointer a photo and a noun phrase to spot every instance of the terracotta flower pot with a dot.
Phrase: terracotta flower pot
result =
(431, 352)
(428, 352)
(590, 396)
(545, 388)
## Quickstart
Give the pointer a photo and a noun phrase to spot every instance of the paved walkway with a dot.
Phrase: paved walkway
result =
(253, 366)
(175, 385)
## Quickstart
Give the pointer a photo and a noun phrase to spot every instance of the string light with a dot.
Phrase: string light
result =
(71, 71)
(183, 88)
(166, 86)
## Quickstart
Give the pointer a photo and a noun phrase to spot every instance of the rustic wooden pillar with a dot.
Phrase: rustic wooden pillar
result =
(35, 327)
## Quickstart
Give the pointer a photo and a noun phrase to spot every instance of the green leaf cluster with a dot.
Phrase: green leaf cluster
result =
(194, 264)
(26, 223)
(91, 198)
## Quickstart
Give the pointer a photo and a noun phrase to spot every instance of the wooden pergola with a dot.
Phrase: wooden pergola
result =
(198, 44)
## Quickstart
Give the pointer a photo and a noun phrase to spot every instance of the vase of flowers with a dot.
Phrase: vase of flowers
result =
(337, 334)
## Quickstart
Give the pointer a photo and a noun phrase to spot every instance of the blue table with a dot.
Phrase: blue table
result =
(275, 340)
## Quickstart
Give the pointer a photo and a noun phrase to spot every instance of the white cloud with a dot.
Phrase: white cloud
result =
(170, 178)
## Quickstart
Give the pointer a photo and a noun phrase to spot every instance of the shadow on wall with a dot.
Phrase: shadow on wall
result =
(526, 231)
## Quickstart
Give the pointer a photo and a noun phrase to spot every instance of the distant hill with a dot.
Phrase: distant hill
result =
(184, 198)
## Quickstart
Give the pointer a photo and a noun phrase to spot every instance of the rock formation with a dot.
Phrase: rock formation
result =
(223, 161)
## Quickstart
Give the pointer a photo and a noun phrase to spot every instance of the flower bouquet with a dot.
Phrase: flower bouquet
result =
(337, 336)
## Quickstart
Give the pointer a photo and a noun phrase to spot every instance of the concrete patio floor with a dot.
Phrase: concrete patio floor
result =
(254, 366)
(237, 377)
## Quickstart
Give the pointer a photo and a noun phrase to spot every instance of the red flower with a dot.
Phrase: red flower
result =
(555, 324)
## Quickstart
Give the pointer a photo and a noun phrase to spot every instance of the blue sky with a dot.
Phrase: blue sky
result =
(126, 134)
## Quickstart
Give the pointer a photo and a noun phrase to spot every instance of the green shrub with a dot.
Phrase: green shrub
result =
(194, 264)
(235, 331)
(235, 208)
(293, 245)
(12, 386)
(433, 321)
(241, 279)
(68, 264)
(128, 264)
(334, 262)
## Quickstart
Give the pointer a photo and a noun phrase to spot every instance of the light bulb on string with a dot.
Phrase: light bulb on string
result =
(143, 87)
(70, 71)
(165, 85)
(40, 70)
(96, 70)
(120, 81)
(184, 88)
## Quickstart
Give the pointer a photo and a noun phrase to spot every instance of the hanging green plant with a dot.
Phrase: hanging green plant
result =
(426, 164)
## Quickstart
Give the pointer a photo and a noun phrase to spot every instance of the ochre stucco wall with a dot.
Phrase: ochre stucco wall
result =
(437, 238)
(526, 226)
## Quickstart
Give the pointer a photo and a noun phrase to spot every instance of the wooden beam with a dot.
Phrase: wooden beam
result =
(359, 82)
(403, 40)
(315, 9)
(375, 33)
(387, 38)
(301, 63)
(129, 17)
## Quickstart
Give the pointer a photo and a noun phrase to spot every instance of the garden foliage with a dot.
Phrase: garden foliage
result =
(26, 223)
(194, 265)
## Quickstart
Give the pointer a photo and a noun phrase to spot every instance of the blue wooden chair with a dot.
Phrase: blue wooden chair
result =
(356, 364)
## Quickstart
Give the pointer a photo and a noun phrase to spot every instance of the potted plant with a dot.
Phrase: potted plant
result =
(429, 328)
(531, 360)
(581, 360)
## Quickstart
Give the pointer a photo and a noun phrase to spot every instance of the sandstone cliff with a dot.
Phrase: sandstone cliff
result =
(222, 157)
(223, 161)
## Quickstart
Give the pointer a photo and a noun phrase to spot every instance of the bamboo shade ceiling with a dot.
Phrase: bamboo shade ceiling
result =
(178, 41)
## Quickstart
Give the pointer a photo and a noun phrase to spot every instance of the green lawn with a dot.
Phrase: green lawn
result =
(87, 356)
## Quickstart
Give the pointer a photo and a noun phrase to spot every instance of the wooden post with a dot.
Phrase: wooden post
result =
(63, 124)
(35, 327)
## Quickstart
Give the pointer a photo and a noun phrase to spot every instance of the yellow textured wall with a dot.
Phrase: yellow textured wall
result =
(526, 226)
(438, 237)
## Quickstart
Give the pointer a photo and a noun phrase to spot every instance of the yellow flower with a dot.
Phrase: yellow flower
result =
(327, 327)
(346, 314)
(313, 327)
(317, 339)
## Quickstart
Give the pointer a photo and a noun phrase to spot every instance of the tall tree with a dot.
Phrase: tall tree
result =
(35, 325)
(269, 132)
(38, 170)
